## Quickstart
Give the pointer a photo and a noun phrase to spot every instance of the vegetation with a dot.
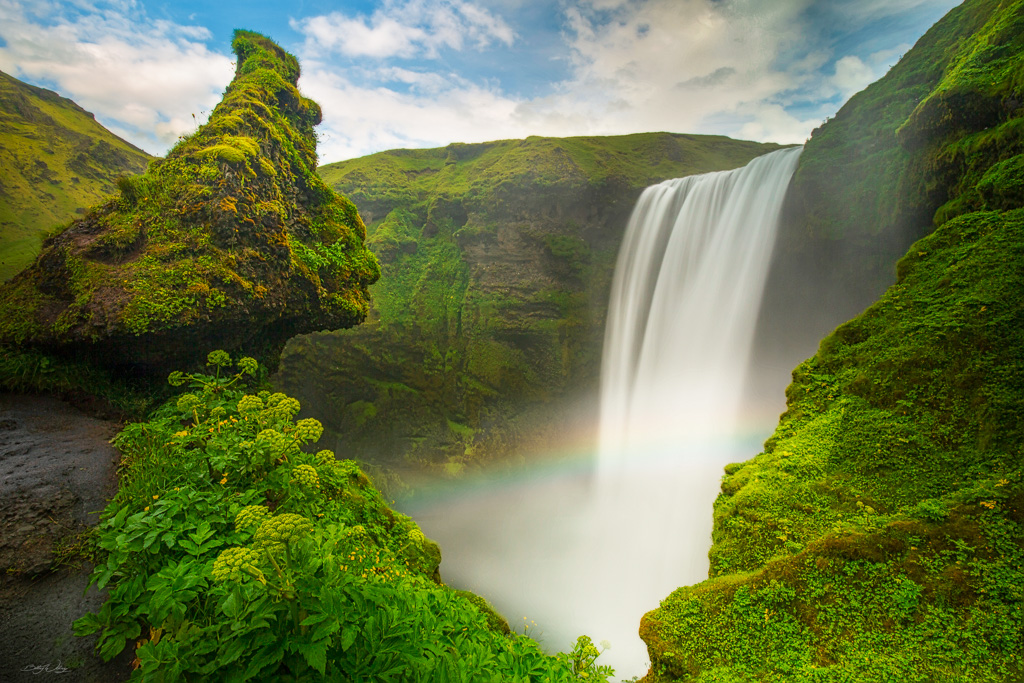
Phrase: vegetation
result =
(497, 260)
(232, 237)
(880, 535)
(231, 550)
(57, 161)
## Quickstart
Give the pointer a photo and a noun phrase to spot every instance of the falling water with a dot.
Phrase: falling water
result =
(582, 557)
(685, 299)
(684, 305)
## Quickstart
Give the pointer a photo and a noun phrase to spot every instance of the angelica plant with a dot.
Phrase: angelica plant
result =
(231, 550)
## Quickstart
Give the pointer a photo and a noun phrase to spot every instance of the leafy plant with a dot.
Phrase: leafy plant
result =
(230, 549)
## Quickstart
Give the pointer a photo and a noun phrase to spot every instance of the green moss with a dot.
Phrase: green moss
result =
(495, 621)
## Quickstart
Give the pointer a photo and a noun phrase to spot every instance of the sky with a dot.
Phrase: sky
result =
(424, 73)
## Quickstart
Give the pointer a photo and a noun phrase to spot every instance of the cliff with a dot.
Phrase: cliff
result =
(230, 241)
(879, 535)
(57, 161)
(487, 326)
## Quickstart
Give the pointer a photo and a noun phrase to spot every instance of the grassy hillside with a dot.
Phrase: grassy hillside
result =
(57, 162)
(880, 535)
(488, 318)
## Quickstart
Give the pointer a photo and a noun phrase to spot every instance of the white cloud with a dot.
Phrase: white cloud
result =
(405, 28)
(772, 122)
(360, 119)
(143, 79)
(414, 73)
(852, 75)
(672, 64)
(736, 67)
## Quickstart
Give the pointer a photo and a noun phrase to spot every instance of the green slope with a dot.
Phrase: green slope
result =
(880, 535)
(56, 161)
(489, 315)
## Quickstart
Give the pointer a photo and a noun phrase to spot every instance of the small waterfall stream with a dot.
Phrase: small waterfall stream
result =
(592, 555)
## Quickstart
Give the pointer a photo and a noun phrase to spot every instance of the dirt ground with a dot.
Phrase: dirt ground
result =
(57, 471)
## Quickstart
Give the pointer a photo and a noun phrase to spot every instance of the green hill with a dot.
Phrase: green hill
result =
(880, 535)
(488, 319)
(57, 161)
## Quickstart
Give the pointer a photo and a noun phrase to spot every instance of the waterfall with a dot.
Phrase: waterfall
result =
(577, 555)
(685, 299)
(684, 303)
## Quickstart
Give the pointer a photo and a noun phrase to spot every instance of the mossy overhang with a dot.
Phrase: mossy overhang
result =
(232, 241)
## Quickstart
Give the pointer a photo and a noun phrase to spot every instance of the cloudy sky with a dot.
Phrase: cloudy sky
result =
(423, 73)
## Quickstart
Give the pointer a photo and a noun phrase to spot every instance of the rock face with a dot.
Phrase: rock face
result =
(231, 241)
(56, 161)
(489, 319)
(880, 535)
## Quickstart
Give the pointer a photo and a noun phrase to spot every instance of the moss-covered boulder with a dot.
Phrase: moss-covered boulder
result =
(880, 535)
(231, 241)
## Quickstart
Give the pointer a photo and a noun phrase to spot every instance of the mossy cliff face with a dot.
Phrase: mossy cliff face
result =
(489, 320)
(872, 179)
(57, 161)
(231, 241)
(880, 535)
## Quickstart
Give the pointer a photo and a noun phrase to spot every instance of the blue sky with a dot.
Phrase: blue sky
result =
(423, 73)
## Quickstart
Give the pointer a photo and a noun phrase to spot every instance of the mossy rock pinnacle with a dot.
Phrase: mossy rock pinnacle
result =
(231, 241)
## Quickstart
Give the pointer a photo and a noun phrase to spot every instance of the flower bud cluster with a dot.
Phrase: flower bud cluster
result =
(286, 528)
(282, 406)
(272, 439)
(235, 563)
(251, 516)
(249, 405)
(308, 430)
(188, 402)
(218, 358)
(306, 477)
(247, 365)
